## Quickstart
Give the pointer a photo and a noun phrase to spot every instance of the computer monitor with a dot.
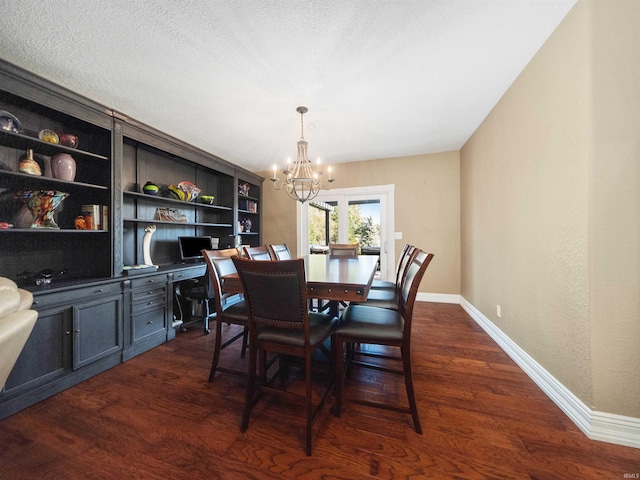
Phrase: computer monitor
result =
(191, 247)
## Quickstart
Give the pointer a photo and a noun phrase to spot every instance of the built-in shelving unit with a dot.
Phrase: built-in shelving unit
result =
(92, 315)
(249, 211)
(26, 250)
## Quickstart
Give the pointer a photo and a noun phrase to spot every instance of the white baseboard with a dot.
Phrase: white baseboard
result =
(612, 428)
(606, 427)
(438, 298)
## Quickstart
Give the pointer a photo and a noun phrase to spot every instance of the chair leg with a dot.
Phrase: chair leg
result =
(206, 314)
(248, 401)
(338, 374)
(307, 367)
(408, 381)
(245, 336)
(216, 350)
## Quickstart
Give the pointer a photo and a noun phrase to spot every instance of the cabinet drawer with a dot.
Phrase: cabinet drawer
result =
(149, 303)
(148, 281)
(152, 291)
(149, 323)
(194, 272)
(68, 297)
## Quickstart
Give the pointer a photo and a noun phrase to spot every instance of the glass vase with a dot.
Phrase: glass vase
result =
(43, 204)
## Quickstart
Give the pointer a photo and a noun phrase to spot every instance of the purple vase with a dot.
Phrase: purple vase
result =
(63, 167)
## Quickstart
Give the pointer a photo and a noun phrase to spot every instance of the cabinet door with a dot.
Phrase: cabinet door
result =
(46, 354)
(97, 330)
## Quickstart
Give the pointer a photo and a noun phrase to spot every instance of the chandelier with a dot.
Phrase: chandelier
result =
(301, 182)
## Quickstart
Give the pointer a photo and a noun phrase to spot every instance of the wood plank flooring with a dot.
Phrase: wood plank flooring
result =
(157, 417)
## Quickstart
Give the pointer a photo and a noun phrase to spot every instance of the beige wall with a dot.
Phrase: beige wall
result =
(614, 205)
(427, 209)
(550, 208)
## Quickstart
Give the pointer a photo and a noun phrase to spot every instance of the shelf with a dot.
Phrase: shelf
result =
(24, 181)
(248, 212)
(24, 142)
(178, 224)
(173, 201)
(248, 233)
(49, 230)
(244, 197)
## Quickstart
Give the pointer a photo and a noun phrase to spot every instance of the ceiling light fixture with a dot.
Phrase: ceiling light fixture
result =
(301, 182)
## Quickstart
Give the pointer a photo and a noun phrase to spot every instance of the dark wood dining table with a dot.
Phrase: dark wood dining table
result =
(334, 278)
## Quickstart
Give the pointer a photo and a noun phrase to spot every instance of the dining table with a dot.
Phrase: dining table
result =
(330, 278)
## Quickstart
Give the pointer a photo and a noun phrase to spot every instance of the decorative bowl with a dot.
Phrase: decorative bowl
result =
(48, 136)
(68, 140)
(9, 122)
(185, 191)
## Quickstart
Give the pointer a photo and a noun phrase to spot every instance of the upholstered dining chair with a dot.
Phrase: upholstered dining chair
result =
(258, 253)
(280, 252)
(230, 308)
(388, 298)
(279, 322)
(344, 249)
(361, 324)
(402, 262)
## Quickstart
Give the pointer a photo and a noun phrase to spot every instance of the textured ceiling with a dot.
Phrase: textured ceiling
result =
(381, 78)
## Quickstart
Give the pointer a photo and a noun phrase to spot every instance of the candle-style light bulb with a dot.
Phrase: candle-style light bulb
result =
(274, 170)
(329, 172)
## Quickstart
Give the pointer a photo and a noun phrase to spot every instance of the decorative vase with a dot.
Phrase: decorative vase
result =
(43, 204)
(68, 140)
(150, 188)
(29, 165)
(63, 167)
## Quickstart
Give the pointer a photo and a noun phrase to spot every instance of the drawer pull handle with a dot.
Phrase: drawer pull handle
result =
(149, 322)
(149, 303)
(99, 290)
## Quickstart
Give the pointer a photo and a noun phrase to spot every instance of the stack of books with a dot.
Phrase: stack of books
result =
(96, 217)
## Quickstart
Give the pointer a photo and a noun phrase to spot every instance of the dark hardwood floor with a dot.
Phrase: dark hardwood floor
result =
(156, 417)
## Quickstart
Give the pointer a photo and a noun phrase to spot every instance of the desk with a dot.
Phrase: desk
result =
(329, 278)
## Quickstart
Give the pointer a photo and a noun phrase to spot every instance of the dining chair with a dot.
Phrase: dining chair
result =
(392, 285)
(279, 322)
(280, 252)
(258, 253)
(388, 298)
(230, 308)
(361, 324)
(344, 249)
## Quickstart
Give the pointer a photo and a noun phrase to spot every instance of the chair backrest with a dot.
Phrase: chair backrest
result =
(344, 249)
(407, 297)
(276, 294)
(280, 252)
(219, 264)
(258, 253)
(408, 252)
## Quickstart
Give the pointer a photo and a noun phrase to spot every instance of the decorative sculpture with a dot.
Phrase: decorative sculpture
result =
(146, 244)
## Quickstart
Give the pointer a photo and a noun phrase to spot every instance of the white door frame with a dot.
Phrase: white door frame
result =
(386, 194)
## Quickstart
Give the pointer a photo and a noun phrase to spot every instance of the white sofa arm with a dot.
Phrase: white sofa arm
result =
(16, 324)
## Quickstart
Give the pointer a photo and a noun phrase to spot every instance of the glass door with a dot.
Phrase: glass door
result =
(356, 215)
